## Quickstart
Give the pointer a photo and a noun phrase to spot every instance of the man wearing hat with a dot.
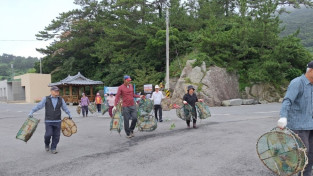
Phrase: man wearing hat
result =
(297, 112)
(157, 97)
(53, 104)
(191, 98)
(126, 92)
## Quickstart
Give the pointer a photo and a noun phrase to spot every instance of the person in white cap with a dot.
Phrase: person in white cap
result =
(297, 112)
(157, 97)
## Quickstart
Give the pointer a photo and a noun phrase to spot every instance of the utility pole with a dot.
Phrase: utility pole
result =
(167, 78)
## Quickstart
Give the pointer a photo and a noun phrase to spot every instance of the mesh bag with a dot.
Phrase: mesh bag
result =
(117, 120)
(282, 151)
(68, 127)
(27, 129)
(184, 112)
(166, 104)
(92, 108)
(104, 108)
(145, 106)
(78, 109)
(147, 123)
(203, 110)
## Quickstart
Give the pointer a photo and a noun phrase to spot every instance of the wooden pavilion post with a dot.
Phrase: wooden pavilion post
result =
(71, 95)
(91, 93)
(64, 92)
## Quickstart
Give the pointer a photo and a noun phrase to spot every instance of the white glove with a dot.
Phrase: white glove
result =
(185, 102)
(282, 122)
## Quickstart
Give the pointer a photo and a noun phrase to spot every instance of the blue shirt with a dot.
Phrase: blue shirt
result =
(298, 104)
(54, 100)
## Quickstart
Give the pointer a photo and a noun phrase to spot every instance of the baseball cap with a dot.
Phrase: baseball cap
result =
(310, 64)
(126, 77)
(55, 88)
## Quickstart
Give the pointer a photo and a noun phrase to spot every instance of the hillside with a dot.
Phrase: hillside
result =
(21, 65)
(299, 19)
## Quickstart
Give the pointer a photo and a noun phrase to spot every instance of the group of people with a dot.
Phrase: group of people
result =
(54, 103)
(109, 100)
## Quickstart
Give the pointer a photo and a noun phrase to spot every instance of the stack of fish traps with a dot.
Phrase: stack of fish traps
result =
(92, 108)
(68, 127)
(146, 121)
(104, 108)
(78, 109)
(27, 130)
(117, 120)
(184, 112)
(282, 152)
(203, 110)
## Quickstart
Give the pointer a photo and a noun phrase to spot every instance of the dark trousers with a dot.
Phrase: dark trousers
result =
(110, 111)
(99, 107)
(53, 129)
(156, 109)
(307, 138)
(129, 113)
(85, 110)
(193, 116)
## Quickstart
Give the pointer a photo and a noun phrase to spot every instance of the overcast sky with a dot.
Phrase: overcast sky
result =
(22, 19)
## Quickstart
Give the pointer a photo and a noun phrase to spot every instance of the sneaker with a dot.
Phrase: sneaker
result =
(128, 136)
(54, 151)
(161, 120)
(47, 148)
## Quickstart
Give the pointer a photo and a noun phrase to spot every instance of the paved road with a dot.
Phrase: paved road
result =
(223, 145)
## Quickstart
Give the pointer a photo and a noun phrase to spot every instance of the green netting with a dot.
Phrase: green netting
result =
(147, 123)
(104, 108)
(117, 120)
(185, 112)
(144, 107)
(27, 129)
(203, 110)
(92, 108)
(282, 151)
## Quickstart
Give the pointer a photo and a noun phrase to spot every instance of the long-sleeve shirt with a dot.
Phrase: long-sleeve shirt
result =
(191, 99)
(297, 105)
(84, 101)
(157, 97)
(127, 94)
(54, 100)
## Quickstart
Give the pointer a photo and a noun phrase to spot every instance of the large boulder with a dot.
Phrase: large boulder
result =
(264, 93)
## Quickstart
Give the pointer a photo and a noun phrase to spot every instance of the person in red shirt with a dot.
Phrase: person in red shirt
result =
(98, 102)
(126, 92)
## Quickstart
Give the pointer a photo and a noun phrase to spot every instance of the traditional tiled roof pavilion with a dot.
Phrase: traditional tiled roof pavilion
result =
(78, 81)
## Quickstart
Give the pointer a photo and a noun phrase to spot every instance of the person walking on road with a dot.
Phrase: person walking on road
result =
(126, 92)
(297, 111)
(84, 102)
(53, 105)
(191, 98)
(157, 97)
(111, 101)
(98, 102)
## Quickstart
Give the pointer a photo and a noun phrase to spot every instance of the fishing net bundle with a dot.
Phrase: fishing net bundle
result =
(144, 107)
(203, 110)
(117, 120)
(185, 112)
(78, 109)
(68, 127)
(92, 108)
(27, 129)
(282, 151)
(104, 108)
(147, 123)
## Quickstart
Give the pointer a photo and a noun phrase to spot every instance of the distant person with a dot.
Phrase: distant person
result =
(297, 110)
(98, 102)
(157, 97)
(53, 105)
(126, 92)
(111, 101)
(105, 97)
(191, 98)
(84, 102)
